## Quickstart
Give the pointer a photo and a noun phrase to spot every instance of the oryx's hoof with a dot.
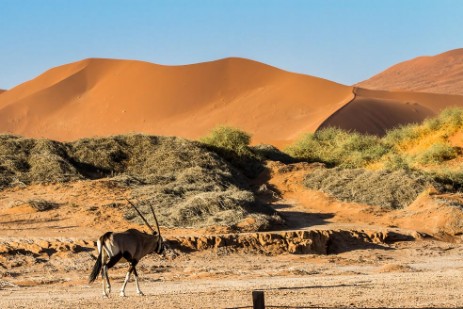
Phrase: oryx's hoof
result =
(140, 293)
(122, 294)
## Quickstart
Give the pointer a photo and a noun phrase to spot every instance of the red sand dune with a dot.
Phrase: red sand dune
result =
(97, 97)
(375, 111)
(2, 90)
(442, 73)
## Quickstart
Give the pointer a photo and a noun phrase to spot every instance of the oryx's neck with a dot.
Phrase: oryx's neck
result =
(149, 242)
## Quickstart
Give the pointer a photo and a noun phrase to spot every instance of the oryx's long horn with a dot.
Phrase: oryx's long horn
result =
(139, 213)
(156, 219)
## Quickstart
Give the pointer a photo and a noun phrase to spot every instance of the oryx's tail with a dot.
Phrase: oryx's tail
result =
(99, 261)
(96, 268)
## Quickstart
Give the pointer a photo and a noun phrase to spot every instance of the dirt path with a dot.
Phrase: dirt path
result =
(411, 274)
(308, 292)
(307, 209)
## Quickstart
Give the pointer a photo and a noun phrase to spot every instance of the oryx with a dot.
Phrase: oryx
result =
(129, 246)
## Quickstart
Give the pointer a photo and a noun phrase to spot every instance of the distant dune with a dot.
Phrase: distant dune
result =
(442, 73)
(2, 90)
(97, 97)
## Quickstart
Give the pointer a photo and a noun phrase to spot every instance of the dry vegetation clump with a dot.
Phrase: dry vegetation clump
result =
(187, 184)
(29, 160)
(42, 205)
(448, 180)
(388, 189)
(269, 152)
(198, 197)
(211, 208)
(140, 155)
(49, 161)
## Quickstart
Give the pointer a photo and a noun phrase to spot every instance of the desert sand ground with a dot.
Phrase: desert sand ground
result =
(416, 274)
(424, 272)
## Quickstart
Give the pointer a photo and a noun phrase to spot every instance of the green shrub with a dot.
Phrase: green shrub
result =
(233, 145)
(452, 117)
(401, 134)
(433, 124)
(229, 138)
(337, 147)
(437, 153)
(395, 161)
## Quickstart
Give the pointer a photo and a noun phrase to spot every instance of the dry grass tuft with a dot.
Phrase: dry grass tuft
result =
(42, 205)
(387, 189)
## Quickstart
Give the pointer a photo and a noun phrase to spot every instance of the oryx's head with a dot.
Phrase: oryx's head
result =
(160, 246)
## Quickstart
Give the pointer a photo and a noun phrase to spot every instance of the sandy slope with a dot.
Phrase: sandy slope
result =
(375, 111)
(101, 97)
(442, 73)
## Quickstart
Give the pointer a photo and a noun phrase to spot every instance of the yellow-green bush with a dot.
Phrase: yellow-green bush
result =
(338, 147)
(437, 153)
(412, 146)
(229, 138)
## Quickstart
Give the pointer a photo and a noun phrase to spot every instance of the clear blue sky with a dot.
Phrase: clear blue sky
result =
(344, 41)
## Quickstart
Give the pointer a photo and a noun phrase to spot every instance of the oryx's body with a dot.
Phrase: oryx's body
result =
(130, 246)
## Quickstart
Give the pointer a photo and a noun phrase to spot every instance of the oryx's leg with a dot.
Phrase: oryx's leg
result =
(105, 276)
(135, 273)
(104, 270)
(112, 261)
(103, 280)
(127, 277)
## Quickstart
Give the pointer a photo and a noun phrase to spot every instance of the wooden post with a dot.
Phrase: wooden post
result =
(258, 300)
